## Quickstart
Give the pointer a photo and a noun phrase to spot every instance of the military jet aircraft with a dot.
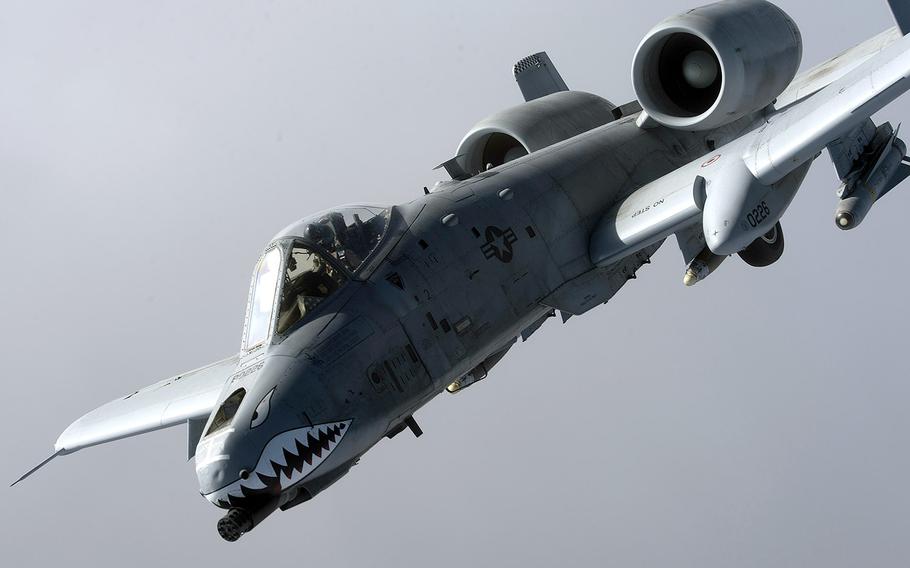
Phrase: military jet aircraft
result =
(358, 316)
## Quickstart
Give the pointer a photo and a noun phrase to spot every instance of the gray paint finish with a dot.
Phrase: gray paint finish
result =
(790, 455)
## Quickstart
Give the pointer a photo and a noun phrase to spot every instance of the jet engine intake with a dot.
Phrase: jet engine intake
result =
(531, 126)
(715, 64)
(739, 209)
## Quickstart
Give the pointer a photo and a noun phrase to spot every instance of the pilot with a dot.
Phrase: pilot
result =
(320, 234)
(304, 290)
(316, 283)
(336, 221)
(345, 239)
(314, 286)
(357, 245)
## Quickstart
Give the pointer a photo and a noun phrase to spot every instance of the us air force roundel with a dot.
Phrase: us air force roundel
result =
(499, 243)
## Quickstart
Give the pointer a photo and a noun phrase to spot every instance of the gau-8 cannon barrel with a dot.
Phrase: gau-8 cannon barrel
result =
(240, 520)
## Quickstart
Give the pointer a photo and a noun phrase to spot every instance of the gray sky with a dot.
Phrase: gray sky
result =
(149, 150)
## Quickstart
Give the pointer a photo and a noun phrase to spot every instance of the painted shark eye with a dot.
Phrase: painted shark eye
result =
(262, 410)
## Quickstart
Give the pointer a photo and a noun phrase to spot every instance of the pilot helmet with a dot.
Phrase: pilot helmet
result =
(320, 235)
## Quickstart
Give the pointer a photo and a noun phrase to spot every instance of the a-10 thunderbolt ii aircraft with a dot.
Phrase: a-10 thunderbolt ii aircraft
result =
(360, 315)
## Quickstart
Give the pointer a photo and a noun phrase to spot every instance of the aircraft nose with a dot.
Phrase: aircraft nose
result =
(215, 477)
(212, 476)
(217, 465)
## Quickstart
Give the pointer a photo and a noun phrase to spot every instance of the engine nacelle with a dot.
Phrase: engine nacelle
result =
(531, 126)
(713, 65)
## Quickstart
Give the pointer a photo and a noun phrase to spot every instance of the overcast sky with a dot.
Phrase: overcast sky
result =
(149, 150)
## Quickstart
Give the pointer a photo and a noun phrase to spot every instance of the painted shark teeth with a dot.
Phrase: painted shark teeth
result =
(285, 461)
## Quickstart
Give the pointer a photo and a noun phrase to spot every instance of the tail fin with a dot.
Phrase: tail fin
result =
(901, 11)
(538, 77)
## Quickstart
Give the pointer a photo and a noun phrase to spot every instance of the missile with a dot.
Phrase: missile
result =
(859, 193)
(702, 266)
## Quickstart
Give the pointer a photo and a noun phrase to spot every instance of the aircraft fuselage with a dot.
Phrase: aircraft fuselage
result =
(467, 270)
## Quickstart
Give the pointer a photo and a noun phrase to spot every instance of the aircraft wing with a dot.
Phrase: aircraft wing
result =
(794, 136)
(173, 401)
(188, 397)
(849, 94)
(817, 78)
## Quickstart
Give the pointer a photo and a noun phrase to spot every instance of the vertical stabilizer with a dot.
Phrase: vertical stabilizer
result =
(537, 76)
(901, 11)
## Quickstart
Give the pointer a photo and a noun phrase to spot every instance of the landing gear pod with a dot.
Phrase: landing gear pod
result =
(740, 210)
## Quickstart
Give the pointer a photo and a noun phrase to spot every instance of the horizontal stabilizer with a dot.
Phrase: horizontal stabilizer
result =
(537, 77)
(453, 167)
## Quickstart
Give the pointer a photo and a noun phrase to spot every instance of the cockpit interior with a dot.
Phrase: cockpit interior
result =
(308, 263)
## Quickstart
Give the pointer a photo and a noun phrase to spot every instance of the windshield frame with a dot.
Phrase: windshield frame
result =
(254, 285)
(286, 246)
(289, 244)
(298, 230)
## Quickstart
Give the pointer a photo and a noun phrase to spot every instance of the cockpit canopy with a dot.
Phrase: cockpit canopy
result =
(349, 233)
(307, 263)
(308, 280)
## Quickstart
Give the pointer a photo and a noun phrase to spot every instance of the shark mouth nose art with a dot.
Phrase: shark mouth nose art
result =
(286, 460)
